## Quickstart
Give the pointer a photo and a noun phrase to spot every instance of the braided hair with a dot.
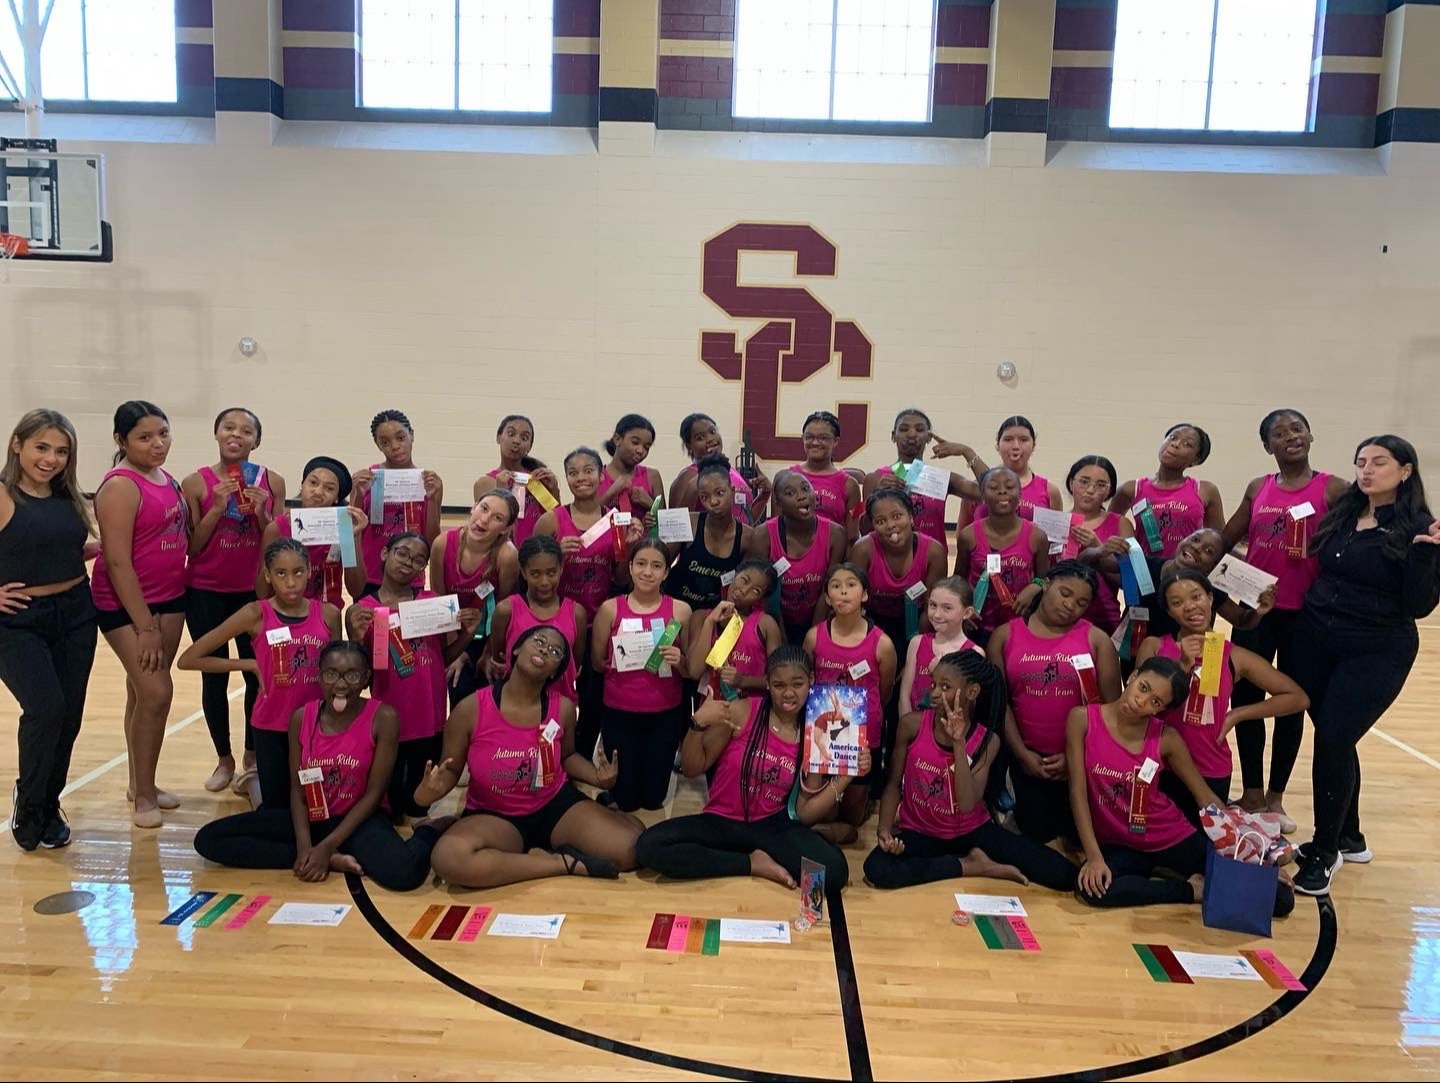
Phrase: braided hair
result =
(1065, 569)
(396, 416)
(787, 654)
(989, 710)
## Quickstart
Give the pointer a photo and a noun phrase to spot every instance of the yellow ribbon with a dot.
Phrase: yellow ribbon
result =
(720, 653)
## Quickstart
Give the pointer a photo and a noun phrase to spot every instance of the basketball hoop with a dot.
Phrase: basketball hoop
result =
(13, 245)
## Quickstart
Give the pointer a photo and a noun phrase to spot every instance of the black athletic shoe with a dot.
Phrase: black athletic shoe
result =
(1352, 850)
(56, 832)
(1315, 874)
(27, 823)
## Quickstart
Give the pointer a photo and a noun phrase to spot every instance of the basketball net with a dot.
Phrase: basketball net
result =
(11, 246)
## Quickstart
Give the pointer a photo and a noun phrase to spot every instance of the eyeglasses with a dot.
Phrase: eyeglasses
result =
(350, 676)
(1091, 483)
(405, 557)
(549, 651)
(817, 438)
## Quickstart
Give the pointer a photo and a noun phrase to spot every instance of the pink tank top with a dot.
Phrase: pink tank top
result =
(465, 584)
(1179, 512)
(157, 546)
(1200, 718)
(1017, 568)
(835, 664)
(230, 560)
(1104, 611)
(927, 789)
(327, 574)
(748, 657)
(1278, 543)
(587, 574)
(771, 775)
(398, 519)
(525, 525)
(419, 698)
(508, 765)
(925, 661)
(743, 493)
(344, 757)
(887, 590)
(1044, 686)
(289, 665)
(803, 582)
(930, 516)
(1033, 494)
(830, 493)
(640, 480)
(523, 618)
(640, 690)
(1123, 810)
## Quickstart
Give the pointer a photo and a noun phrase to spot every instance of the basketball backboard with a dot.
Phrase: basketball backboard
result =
(53, 203)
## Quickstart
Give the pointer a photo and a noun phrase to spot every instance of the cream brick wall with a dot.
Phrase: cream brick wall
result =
(460, 287)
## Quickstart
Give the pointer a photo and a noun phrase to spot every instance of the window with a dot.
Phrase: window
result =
(867, 60)
(99, 50)
(482, 55)
(1218, 65)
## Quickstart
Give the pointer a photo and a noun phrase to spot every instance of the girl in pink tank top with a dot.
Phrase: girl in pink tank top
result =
(912, 434)
(1204, 722)
(753, 750)
(948, 608)
(837, 494)
(231, 504)
(1128, 826)
(1015, 444)
(395, 437)
(627, 484)
(934, 824)
(539, 603)
(341, 747)
(326, 484)
(743, 673)
(518, 740)
(477, 562)
(139, 587)
(1007, 551)
(288, 631)
(1097, 536)
(587, 545)
(643, 713)
(412, 679)
(516, 438)
(701, 438)
(1169, 507)
(901, 563)
(802, 544)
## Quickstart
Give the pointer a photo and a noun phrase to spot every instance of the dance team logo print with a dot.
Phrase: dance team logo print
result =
(800, 337)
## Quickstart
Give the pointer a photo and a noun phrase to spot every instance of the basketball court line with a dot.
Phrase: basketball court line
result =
(1403, 747)
(110, 764)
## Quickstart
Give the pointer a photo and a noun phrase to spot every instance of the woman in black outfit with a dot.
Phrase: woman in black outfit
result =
(1355, 640)
(47, 621)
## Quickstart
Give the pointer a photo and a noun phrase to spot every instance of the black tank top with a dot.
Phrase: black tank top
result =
(43, 543)
(695, 579)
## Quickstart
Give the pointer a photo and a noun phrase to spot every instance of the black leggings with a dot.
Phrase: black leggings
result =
(704, 845)
(272, 768)
(206, 610)
(409, 772)
(926, 859)
(590, 692)
(1352, 674)
(646, 742)
(1132, 871)
(266, 840)
(46, 651)
(1273, 640)
(1042, 806)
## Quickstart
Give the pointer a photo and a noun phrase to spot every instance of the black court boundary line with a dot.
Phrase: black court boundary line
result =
(1315, 971)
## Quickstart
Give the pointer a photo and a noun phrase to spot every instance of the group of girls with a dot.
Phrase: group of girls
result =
(997, 687)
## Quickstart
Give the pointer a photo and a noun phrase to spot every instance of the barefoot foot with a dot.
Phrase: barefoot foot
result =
(345, 863)
(767, 868)
(978, 863)
(1197, 885)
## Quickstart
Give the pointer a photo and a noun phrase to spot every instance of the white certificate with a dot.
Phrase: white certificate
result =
(932, 481)
(630, 651)
(318, 526)
(404, 486)
(310, 914)
(1234, 967)
(1241, 581)
(675, 525)
(429, 616)
(754, 932)
(1001, 905)
(1056, 525)
(535, 926)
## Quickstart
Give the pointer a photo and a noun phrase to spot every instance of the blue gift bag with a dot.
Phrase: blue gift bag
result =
(1238, 896)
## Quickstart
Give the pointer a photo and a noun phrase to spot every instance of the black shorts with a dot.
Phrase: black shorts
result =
(536, 827)
(111, 619)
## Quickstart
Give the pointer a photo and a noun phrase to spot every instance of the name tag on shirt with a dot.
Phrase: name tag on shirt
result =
(993, 565)
(727, 579)
(1140, 505)
(782, 565)
(632, 624)
(1302, 511)
(276, 636)
(914, 591)
(395, 620)
(1147, 770)
(859, 669)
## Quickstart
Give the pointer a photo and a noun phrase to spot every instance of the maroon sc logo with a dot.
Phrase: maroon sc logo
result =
(799, 339)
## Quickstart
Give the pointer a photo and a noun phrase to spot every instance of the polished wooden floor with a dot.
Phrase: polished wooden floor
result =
(111, 993)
